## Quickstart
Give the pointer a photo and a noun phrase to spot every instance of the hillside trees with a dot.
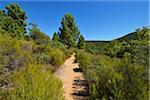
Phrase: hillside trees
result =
(69, 32)
(16, 13)
(129, 44)
(113, 48)
(143, 35)
(13, 20)
(38, 36)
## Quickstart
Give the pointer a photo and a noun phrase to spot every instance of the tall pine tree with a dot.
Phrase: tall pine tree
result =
(69, 32)
(17, 14)
(13, 20)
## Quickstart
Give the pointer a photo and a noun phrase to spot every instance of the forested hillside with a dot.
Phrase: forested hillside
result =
(114, 70)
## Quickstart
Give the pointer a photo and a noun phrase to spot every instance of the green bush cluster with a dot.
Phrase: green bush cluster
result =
(48, 55)
(96, 47)
(22, 76)
(14, 53)
(84, 58)
(114, 78)
(57, 57)
(36, 83)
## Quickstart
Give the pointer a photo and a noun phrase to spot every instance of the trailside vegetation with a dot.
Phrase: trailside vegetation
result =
(114, 70)
(121, 71)
(27, 59)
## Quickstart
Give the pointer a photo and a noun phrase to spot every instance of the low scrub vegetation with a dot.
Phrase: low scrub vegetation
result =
(121, 72)
(114, 70)
(34, 82)
(25, 77)
(84, 58)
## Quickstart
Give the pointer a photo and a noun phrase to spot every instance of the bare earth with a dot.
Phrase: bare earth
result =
(70, 79)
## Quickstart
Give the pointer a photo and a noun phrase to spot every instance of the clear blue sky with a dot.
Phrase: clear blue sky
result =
(97, 20)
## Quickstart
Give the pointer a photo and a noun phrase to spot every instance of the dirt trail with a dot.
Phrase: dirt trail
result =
(73, 81)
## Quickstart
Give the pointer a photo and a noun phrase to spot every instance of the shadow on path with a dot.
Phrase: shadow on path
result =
(77, 70)
(80, 87)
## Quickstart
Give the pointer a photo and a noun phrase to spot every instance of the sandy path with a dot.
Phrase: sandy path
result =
(67, 75)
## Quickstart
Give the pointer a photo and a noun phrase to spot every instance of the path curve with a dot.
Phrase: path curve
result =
(68, 76)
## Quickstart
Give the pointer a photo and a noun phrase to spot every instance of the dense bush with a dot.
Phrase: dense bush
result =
(96, 47)
(57, 57)
(34, 82)
(113, 48)
(113, 78)
(84, 58)
(23, 74)
(14, 53)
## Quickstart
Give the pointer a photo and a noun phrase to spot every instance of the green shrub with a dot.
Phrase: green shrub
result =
(113, 78)
(57, 57)
(83, 58)
(14, 53)
(20, 76)
(36, 83)
(48, 55)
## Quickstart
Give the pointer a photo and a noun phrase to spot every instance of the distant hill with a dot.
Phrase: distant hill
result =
(132, 35)
(99, 46)
(128, 36)
(141, 35)
(144, 33)
(97, 42)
